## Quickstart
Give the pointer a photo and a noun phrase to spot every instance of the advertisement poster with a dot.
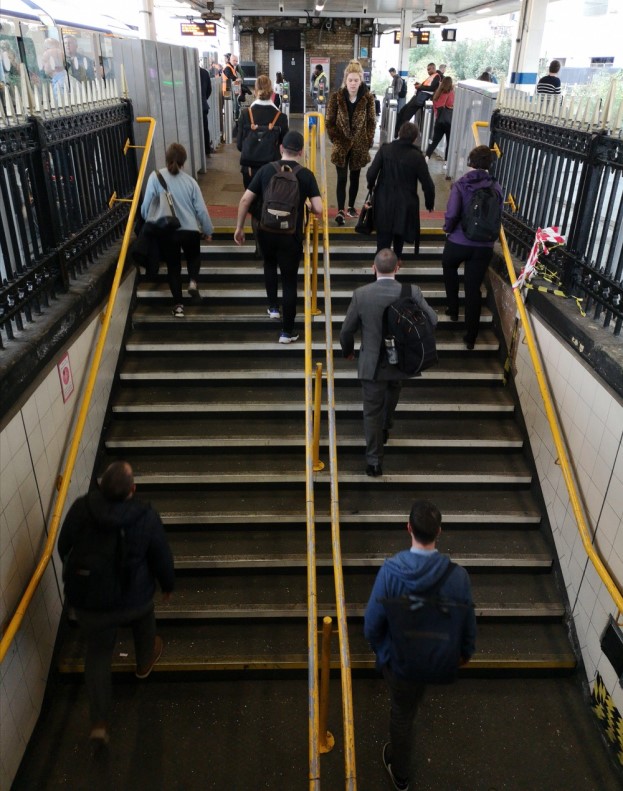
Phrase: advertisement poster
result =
(67, 380)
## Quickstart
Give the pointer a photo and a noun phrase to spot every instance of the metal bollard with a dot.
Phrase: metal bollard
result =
(427, 125)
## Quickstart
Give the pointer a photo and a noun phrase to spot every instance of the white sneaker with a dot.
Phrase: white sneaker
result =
(288, 337)
(178, 312)
(273, 312)
(193, 289)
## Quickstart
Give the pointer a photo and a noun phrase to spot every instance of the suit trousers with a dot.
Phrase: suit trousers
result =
(100, 632)
(405, 697)
(380, 400)
(476, 264)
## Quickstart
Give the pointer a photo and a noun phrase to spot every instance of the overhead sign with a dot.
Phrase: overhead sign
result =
(198, 28)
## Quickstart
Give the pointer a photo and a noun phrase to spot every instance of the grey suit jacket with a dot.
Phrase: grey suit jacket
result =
(365, 312)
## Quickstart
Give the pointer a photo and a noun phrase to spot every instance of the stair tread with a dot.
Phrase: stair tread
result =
(190, 431)
(225, 397)
(214, 644)
(368, 506)
(370, 547)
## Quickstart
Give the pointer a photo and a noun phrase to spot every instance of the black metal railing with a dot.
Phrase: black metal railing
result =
(57, 175)
(571, 178)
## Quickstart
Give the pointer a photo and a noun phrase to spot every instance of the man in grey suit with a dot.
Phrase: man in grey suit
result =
(380, 381)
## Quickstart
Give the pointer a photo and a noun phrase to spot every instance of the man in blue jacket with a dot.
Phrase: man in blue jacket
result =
(145, 558)
(409, 660)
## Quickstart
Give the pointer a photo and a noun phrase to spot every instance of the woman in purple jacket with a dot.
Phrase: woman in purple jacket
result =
(476, 255)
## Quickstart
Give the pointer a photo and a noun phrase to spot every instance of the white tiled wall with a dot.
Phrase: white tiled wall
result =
(591, 417)
(32, 447)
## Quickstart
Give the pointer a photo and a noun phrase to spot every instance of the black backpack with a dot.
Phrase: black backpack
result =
(426, 632)
(261, 145)
(482, 218)
(280, 200)
(94, 570)
(412, 333)
(403, 89)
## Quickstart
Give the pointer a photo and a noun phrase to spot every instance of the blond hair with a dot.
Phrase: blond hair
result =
(352, 67)
(263, 87)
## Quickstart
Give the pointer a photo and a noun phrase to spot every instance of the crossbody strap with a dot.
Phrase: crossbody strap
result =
(165, 187)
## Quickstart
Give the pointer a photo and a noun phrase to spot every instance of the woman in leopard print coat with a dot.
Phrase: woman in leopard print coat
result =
(350, 122)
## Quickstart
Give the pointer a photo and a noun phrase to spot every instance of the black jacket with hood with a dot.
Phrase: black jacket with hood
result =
(148, 556)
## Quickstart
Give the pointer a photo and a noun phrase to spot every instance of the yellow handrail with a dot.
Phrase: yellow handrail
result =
(554, 424)
(65, 477)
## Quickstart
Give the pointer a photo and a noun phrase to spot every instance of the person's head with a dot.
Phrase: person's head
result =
(117, 482)
(409, 131)
(424, 522)
(442, 68)
(71, 45)
(489, 69)
(175, 158)
(318, 69)
(279, 77)
(292, 145)
(480, 158)
(392, 71)
(431, 68)
(227, 57)
(353, 76)
(385, 262)
(234, 60)
(446, 85)
(485, 77)
(263, 87)
(554, 67)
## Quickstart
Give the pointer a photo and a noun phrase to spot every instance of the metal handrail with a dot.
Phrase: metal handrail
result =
(553, 421)
(65, 477)
(345, 663)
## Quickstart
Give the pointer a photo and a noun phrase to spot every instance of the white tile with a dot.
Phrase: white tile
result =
(601, 403)
(36, 443)
(589, 387)
(15, 433)
(30, 414)
(594, 499)
(615, 417)
(564, 363)
(608, 448)
(8, 485)
(42, 401)
(615, 563)
(595, 430)
(22, 464)
(28, 494)
(570, 401)
(14, 514)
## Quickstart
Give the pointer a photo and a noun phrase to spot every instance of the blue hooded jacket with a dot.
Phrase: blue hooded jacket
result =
(416, 572)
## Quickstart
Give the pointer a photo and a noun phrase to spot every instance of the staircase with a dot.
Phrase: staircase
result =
(210, 412)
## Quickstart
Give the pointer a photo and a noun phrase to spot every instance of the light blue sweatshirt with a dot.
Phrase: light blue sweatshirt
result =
(189, 205)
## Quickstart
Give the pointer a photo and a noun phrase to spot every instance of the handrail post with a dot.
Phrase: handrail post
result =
(318, 465)
(326, 742)
(314, 280)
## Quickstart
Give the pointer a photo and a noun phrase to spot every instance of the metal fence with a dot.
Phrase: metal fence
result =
(564, 167)
(59, 166)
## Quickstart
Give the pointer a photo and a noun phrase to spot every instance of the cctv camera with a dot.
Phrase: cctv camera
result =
(365, 9)
(281, 8)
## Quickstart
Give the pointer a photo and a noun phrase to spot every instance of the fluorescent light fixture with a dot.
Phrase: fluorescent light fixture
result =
(320, 6)
(483, 10)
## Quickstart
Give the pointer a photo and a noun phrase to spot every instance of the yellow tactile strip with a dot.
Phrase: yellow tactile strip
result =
(608, 716)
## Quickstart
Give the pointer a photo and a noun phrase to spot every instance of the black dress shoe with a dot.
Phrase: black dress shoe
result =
(374, 470)
(453, 316)
(469, 345)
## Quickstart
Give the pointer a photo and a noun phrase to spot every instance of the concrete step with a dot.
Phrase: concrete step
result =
(238, 366)
(282, 546)
(366, 505)
(279, 644)
(187, 431)
(277, 466)
(223, 398)
(264, 338)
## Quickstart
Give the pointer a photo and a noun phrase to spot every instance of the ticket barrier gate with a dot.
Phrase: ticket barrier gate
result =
(389, 110)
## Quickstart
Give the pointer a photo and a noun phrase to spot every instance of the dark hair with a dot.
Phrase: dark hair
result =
(480, 157)
(117, 481)
(445, 86)
(431, 64)
(554, 66)
(425, 521)
(485, 77)
(409, 131)
(279, 77)
(175, 158)
(318, 67)
(392, 70)
(385, 261)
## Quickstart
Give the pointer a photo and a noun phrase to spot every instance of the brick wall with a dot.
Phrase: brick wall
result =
(336, 44)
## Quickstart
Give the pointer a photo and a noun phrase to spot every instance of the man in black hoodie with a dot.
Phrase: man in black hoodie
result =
(145, 558)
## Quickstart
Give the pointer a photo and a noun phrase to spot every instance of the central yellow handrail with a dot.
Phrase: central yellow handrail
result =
(65, 477)
(552, 418)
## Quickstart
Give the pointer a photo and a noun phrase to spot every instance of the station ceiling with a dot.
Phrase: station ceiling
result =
(455, 10)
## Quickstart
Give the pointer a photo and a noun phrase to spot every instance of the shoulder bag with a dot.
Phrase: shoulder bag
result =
(161, 216)
(365, 223)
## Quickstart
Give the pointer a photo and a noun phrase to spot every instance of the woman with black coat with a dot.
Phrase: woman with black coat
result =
(396, 170)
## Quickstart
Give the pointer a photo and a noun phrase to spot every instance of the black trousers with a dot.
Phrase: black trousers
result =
(476, 261)
(353, 189)
(282, 253)
(386, 239)
(405, 696)
(439, 131)
(171, 249)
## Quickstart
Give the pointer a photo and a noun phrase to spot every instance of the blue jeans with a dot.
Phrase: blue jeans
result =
(100, 632)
